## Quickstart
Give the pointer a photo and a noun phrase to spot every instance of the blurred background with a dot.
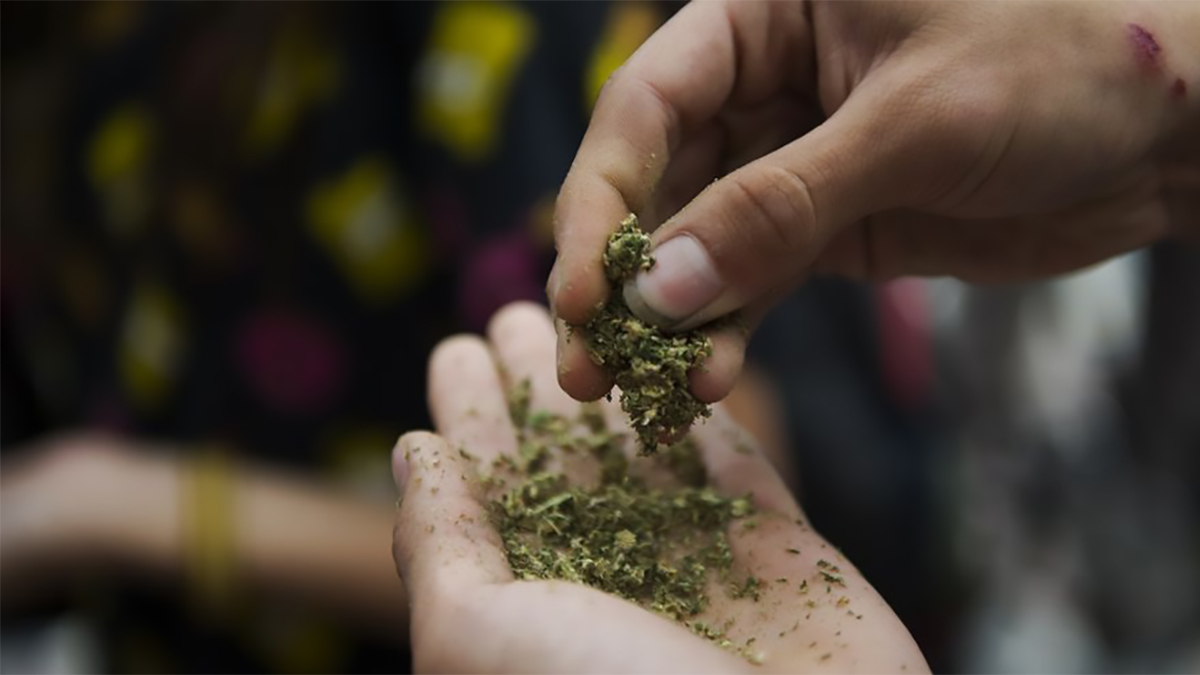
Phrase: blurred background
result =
(231, 234)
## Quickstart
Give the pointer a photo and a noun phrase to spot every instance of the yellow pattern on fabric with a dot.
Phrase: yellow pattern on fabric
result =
(629, 24)
(473, 56)
(368, 227)
(151, 344)
(302, 71)
(117, 163)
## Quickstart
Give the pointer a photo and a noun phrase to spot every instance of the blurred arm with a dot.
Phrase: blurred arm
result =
(82, 506)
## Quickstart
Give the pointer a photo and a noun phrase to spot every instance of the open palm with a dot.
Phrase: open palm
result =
(814, 611)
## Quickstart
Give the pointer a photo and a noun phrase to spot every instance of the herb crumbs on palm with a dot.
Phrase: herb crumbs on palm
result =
(649, 366)
(656, 547)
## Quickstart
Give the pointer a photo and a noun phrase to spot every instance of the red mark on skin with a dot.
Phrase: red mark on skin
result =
(1179, 89)
(1145, 48)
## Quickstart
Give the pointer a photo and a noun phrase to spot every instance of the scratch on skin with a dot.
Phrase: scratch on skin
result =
(1149, 55)
(1179, 89)
(1146, 49)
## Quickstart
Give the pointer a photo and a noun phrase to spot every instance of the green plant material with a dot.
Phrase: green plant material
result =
(831, 578)
(518, 404)
(719, 636)
(683, 460)
(649, 366)
(751, 587)
(655, 547)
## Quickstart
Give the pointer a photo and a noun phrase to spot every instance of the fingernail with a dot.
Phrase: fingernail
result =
(682, 282)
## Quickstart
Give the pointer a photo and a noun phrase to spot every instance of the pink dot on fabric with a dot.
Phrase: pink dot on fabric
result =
(499, 272)
(292, 363)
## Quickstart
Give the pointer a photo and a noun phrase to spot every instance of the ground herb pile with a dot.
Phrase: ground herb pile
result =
(649, 366)
(654, 547)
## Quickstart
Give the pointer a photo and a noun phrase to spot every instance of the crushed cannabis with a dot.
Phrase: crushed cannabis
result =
(650, 367)
(656, 547)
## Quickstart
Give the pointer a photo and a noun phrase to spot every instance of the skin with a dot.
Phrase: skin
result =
(80, 507)
(989, 141)
(470, 615)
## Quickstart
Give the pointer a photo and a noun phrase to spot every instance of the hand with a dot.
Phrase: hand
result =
(78, 504)
(470, 615)
(989, 141)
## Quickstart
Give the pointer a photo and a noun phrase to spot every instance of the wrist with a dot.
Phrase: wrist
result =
(140, 527)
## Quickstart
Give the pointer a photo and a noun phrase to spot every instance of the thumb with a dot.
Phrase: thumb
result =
(761, 227)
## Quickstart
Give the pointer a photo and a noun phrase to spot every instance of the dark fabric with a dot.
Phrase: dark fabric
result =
(250, 224)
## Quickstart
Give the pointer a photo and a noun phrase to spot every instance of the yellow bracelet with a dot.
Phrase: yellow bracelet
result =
(211, 542)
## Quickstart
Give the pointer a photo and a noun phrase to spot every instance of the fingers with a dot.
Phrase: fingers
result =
(524, 340)
(523, 337)
(468, 399)
(736, 465)
(713, 381)
(443, 535)
(766, 222)
(694, 165)
(681, 76)
(708, 55)
(577, 375)
(733, 138)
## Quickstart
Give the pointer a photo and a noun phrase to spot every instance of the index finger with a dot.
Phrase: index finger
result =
(443, 537)
(710, 54)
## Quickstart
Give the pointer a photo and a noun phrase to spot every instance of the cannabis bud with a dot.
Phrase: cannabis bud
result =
(650, 367)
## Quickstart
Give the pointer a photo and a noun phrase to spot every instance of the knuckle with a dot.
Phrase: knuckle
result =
(606, 87)
(779, 204)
